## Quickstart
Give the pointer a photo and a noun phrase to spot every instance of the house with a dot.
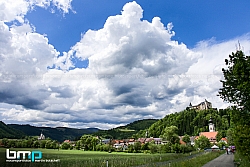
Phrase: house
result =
(73, 143)
(142, 140)
(192, 139)
(131, 141)
(150, 139)
(106, 141)
(118, 145)
(182, 142)
(158, 141)
(223, 140)
(210, 135)
(66, 141)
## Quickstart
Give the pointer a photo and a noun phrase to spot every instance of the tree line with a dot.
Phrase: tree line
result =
(191, 122)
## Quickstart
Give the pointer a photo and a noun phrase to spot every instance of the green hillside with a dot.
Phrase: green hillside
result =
(8, 132)
(127, 131)
(59, 133)
(191, 122)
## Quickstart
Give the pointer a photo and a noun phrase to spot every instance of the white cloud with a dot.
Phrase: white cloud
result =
(11, 10)
(135, 71)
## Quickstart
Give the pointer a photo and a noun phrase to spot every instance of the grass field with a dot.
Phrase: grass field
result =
(78, 158)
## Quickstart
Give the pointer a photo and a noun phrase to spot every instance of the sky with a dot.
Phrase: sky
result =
(107, 63)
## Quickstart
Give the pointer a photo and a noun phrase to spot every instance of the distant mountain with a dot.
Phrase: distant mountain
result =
(8, 132)
(62, 133)
(59, 133)
(127, 131)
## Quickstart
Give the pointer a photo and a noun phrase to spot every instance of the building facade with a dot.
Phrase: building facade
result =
(202, 106)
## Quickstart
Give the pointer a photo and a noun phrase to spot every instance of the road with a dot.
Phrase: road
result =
(222, 161)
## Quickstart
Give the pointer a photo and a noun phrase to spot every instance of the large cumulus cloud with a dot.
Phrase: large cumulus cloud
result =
(135, 71)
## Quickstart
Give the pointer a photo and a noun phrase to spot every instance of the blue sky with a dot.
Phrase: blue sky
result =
(193, 20)
(82, 63)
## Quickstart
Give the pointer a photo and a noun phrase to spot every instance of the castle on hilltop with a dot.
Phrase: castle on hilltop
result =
(202, 106)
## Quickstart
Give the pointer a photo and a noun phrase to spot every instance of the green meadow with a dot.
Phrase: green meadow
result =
(78, 158)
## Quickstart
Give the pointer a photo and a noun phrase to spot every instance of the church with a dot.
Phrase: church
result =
(211, 135)
(41, 137)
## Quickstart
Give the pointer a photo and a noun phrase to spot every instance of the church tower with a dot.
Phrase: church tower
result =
(211, 125)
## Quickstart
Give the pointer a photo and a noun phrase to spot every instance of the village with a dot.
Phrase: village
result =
(124, 144)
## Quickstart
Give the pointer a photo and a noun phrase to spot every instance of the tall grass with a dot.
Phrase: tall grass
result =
(77, 158)
(241, 161)
(198, 161)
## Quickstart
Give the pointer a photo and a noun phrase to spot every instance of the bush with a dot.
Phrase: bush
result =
(153, 148)
(165, 148)
(65, 146)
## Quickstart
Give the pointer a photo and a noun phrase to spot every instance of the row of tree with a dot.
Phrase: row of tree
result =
(29, 142)
(236, 90)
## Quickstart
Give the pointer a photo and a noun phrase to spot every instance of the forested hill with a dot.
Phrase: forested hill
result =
(191, 122)
(127, 131)
(59, 133)
(8, 132)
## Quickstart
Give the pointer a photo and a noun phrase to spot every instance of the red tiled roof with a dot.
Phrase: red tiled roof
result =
(66, 141)
(209, 135)
(182, 142)
(224, 139)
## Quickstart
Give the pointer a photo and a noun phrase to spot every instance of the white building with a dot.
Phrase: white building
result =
(41, 137)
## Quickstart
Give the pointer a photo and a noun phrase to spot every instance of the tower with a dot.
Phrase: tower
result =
(211, 125)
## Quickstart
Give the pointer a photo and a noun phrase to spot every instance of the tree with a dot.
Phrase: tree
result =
(78, 145)
(94, 142)
(170, 134)
(89, 142)
(236, 83)
(48, 144)
(86, 141)
(36, 144)
(65, 146)
(230, 140)
(242, 139)
(145, 146)
(236, 90)
(5, 142)
(153, 148)
(42, 143)
(137, 147)
(221, 144)
(186, 139)
(54, 144)
(202, 142)
(218, 136)
(165, 148)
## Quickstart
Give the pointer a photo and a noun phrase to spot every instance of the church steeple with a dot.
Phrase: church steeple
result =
(211, 125)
